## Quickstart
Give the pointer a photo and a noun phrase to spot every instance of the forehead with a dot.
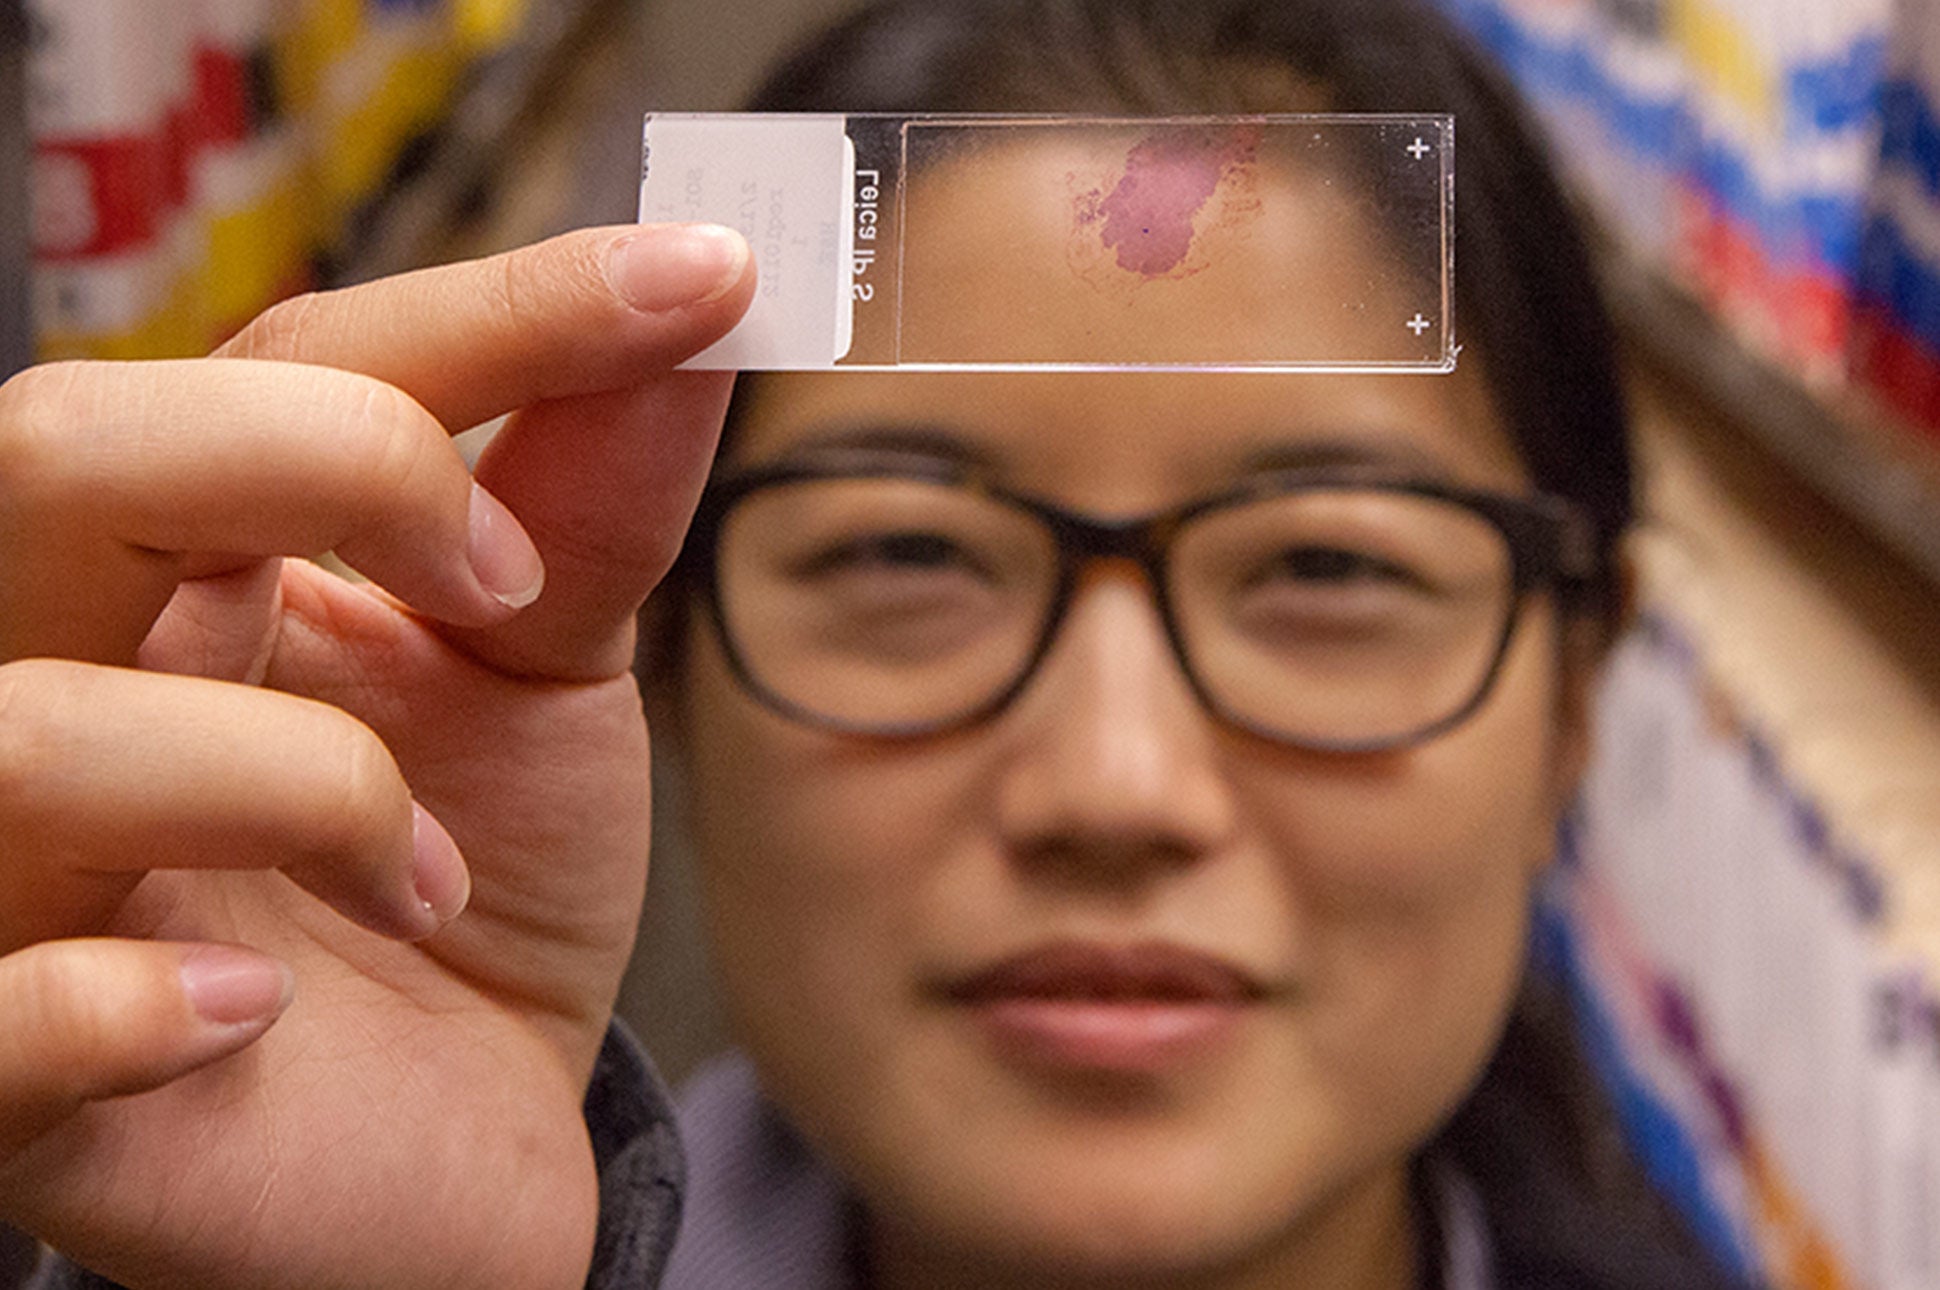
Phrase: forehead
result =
(1225, 259)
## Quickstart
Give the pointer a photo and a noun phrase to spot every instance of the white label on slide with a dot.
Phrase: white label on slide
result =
(784, 183)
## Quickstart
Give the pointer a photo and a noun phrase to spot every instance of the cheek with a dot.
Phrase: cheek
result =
(1440, 831)
(1407, 1008)
(813, 853)
(1409, 884)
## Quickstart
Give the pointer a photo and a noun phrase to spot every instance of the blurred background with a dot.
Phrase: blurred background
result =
(1748, 909)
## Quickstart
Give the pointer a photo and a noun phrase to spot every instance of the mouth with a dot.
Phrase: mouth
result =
(1077, 1007)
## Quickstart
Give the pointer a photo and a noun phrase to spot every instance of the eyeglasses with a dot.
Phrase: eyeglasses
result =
(1337, 610)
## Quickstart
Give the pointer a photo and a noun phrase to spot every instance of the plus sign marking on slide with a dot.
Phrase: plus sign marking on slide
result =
(1418, 149)
(1418, 325)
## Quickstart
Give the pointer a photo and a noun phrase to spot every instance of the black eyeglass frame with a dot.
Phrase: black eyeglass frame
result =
(1550, 539)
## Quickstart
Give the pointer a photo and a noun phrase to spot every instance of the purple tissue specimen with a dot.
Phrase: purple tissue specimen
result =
(1169, 178)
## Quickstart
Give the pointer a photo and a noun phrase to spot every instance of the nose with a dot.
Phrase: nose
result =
(1115, 771)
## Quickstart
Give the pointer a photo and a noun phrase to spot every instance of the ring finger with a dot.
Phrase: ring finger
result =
(107, 774)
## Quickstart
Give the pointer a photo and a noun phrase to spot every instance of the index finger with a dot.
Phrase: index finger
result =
(585, 312)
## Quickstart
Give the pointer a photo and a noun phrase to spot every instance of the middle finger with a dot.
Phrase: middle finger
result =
(113, 475)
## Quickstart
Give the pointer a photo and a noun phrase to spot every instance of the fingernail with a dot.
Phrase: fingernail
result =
(228, 986)
(671, 265)
(438, 872)
(503, 558)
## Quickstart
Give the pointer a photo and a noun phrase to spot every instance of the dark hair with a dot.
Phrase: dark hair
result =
(1527, 301)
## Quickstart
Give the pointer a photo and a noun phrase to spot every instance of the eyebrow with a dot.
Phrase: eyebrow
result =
(1364, 449)
(896, 439)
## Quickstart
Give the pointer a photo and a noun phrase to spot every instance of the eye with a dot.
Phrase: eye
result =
(910, 551)
(925, 550)
(1335, 566)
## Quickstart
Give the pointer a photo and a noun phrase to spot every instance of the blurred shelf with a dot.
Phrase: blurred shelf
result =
(442, 177)
(16, 307)
(1880, 472)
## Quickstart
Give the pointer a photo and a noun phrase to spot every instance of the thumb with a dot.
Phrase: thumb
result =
(94, 1019)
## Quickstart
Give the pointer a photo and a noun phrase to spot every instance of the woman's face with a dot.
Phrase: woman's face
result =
(1109, 835)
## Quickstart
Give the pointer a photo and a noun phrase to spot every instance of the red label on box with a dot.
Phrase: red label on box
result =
(1905, 373)
(222, 97)
(96, 197)
(1816, 312)
(180, 147)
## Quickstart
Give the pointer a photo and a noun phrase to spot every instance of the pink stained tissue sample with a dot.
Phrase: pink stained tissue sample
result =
(1149, 219)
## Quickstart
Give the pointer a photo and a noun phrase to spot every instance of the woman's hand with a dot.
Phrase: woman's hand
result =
(223, 774)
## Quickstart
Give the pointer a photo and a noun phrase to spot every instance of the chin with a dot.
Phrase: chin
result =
(1172, 1239)
(1102, 1213)
(1103, 1240)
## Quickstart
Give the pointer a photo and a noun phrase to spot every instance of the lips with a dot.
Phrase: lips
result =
(1078, 1007)
(1074, 970)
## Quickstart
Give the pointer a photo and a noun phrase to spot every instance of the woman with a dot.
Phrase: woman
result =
(1165, 949)
(1117, 824)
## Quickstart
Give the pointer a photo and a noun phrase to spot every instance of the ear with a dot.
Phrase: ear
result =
(1584, 643)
